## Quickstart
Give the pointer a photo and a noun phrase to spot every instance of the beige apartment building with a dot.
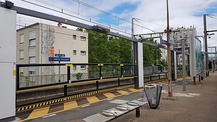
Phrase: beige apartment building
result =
(38, 43)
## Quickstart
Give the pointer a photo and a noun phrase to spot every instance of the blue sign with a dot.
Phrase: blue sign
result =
(59, 59)
(59, 55)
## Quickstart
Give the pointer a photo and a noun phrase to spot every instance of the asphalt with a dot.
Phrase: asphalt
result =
(197, 104)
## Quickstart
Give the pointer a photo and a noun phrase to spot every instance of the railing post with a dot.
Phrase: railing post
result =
(68, 73)
(97, 85)
(100, 70)
(121, 69)
(119, 81)
(65, 90)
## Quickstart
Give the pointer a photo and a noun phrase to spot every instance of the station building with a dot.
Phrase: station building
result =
(40, 43)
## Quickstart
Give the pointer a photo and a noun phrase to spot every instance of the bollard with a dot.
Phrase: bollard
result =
(137, 112)
(199, 78)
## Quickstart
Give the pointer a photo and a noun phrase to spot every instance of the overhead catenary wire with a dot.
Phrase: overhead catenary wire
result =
(88, 20)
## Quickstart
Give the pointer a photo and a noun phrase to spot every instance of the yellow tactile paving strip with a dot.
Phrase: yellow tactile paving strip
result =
(92, 99)
(40, 112)
(70, 105)
(109, 95)
(122, 92)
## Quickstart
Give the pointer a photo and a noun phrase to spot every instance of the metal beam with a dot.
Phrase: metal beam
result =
(36, 14)
(211, 31)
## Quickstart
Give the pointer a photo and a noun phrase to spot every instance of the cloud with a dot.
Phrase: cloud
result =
(152, 14)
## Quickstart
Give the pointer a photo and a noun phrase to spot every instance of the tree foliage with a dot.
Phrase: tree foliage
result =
(117, 50)
(102, 50)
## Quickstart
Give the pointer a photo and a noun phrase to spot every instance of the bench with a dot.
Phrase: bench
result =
(119, 110)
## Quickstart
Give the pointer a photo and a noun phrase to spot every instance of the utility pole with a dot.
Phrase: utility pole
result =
(205, 43)
(168, 53)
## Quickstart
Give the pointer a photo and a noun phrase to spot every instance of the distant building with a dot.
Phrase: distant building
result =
(38, 43)
(178, 36)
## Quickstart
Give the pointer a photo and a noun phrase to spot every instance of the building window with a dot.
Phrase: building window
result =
(74, 67)
(74, 52)
(32, 42)
(83, 38)
(32, 35)
(74, 37)
(32, 60)
(83, 53)
(21, 38)
(32, 52)
(21, 54)
(83, 67)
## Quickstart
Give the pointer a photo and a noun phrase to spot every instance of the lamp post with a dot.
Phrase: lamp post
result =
(168, 54)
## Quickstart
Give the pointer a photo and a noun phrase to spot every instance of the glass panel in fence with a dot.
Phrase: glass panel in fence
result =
(111, 71)
(41, 75)
(128, 70)
(148, 70)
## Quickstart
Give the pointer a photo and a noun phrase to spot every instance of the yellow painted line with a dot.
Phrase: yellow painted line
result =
(70, 105)
(133, 90)
(109, 95)
(122, 92)
(92, 99)
(38, 113)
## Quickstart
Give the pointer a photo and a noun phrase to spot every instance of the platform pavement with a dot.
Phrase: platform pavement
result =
(197, 104)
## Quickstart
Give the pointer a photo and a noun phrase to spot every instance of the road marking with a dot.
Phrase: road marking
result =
(122, 92)
(38, 113)
(48, 116)
(109, 95)
(70, 105)
(92, 99)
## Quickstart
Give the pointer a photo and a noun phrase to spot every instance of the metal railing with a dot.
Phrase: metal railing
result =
(36, 75)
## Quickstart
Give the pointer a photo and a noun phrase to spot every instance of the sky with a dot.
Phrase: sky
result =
(117, 14)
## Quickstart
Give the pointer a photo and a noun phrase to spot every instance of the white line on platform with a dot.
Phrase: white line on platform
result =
(48, 116)
(83, 106)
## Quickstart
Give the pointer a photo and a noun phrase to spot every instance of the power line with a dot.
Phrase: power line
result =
(150, 22)
(145, 27)
(89, 6)
(90, 20)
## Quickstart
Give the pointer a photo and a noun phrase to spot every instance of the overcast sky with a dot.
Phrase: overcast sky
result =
(151, 14)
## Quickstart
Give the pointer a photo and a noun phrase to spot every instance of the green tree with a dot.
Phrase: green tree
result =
(151, 54)
(102, 50)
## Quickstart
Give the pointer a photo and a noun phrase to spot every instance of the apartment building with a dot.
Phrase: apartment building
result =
(41, 43)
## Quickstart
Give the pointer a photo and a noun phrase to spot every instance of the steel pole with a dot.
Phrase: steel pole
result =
(183, 65)
(168, 54)
(205, 43)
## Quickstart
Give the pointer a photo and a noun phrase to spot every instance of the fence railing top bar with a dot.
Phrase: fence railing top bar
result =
(62, 64)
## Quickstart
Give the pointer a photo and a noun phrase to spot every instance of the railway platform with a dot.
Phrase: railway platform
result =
(197, 103)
